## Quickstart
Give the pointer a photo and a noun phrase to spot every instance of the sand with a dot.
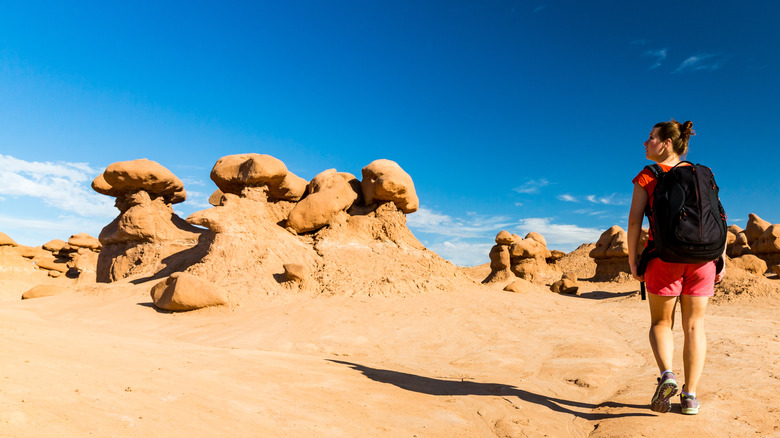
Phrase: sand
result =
(469, 362)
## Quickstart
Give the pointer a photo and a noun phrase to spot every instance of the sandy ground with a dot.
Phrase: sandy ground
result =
(473, 362)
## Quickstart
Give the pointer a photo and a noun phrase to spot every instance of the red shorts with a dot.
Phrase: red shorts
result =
(673, 279)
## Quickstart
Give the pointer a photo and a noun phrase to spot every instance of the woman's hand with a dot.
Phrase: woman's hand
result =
(634, 270)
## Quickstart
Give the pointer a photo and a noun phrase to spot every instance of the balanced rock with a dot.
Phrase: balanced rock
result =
(233, 173)
(330, 192)
(767, 246)
(6, 241)
(131, 176)
(500, 262)
(182, 291)
(528, 258)
(54, 245)
(384, 180)
(147, 230)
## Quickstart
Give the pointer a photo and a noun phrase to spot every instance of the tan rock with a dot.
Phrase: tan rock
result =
(182, 291)
(499, 265)
(739, 246)
(52, 264)
(519, 286)
(384, 180)
(216, 198)
(504, 238)
(611, 255)
(755, 228)
(84, 240)
(294, 272)
(555, 255)
(233, 173)
(768, 242)
(750, 263)
(7, 241)
(330, 193)
(566, 286)
(537, 237)
(54, 245)
(142, 174)
(43, 290)
(291, 188)
(528, 248)
(776, 269)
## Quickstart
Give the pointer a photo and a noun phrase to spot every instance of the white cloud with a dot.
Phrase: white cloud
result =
(660, 55)
(708, 62)
(65, 186)
(463, 253)
(532, 186)
(565, 237)
(428, 221)
(34, 232)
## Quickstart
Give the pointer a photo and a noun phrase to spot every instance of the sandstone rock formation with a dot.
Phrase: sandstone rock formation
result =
(767, 246)
(516, 257)
(384, 180)
(750, 263)
(147, 231)
(6, 241)
(43, 290)
(611, 255)
(566, 285)
(233, 173)
(736, 242)
(329, 193)
(182, 292)
(755, 228)
(519, 285)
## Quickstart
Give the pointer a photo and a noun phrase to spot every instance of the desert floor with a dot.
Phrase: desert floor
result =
(473, 362)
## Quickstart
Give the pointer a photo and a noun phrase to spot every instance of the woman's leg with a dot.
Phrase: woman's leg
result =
(695, 347)
(661, 341)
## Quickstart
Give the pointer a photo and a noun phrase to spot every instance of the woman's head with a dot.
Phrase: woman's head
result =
(677, 133)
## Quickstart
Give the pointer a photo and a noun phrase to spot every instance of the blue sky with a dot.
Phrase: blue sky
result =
(509, 115)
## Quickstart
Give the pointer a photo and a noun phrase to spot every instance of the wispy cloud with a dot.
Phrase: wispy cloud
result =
(705, 62)
(463, 253)
(659, 56)
(567, 198)
(531, 186)
(612, 199)
(62, 185)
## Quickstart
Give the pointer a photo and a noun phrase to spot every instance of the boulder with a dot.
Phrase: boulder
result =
(384, 180)
(52, 264)
(500, 264)
(738, 246)
(7, 241)
(54, 245)
(504, 238)
(776, 269)
(182, 292)
(43, 290)
(232, 173)
(294, 272)
(565, 285)
(750, 263)
(520, 286)
(330, 192)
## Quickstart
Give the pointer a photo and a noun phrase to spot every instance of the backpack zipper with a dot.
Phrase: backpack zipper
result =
(698, 198)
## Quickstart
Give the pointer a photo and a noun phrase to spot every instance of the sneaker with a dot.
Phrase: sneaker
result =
(666, 389)
(689, 405)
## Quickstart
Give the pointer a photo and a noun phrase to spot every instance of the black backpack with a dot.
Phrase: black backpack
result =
(689, 223)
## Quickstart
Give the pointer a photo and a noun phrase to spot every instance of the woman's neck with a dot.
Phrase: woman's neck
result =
(669, 160)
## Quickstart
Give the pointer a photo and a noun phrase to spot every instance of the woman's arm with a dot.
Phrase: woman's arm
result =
(635, 218)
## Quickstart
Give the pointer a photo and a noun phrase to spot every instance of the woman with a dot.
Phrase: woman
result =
(692, 283)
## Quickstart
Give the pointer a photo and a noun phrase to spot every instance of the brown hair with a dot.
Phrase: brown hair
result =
(678, 132)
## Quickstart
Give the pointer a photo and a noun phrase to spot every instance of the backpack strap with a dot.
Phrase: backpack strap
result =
(657, 172)
(647, 254)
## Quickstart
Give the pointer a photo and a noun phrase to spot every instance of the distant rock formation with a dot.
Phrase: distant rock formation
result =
(516, 257)
(7, 241)
(764, 239)
(182, 292)
(147, 231)
(611, 255)
(384, 180)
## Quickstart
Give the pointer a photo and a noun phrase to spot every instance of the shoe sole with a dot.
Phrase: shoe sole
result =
(662, 399)
(690, 411)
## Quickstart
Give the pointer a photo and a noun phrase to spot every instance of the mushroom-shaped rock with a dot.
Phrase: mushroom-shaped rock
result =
(555, 255)
(500, 264)
(232, 173)
(739, 246)
(611, 254)
(182, 291)
(330, 193)
(537, 237)
(54, 245)
(43, 290)
(7, 241)
(520, 285)
(84, 240)
(384, 180)
(52, 264)
(755, 228)
(142, 174)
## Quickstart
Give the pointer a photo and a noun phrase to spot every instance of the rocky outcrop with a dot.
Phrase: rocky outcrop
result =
(767, 246)
(750, 263)
(516, 257)
(567, 285)
(43, 290)
(330, 192)
(7, 241)
(147, 231)
(233, 173)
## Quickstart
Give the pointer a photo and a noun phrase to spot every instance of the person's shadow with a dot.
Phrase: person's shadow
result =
(431, 386)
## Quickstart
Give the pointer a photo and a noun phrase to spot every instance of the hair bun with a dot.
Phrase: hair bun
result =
(686, 130)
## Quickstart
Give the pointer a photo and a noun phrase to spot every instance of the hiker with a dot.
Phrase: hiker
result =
(690, 283)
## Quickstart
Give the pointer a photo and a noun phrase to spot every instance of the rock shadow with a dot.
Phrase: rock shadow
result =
(441, 387)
